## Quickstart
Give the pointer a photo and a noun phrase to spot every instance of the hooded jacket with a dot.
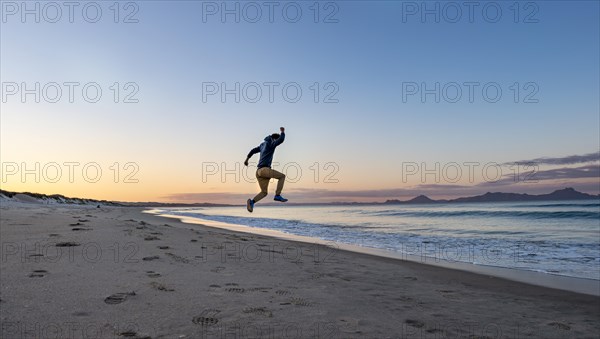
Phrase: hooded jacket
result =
(267, 149)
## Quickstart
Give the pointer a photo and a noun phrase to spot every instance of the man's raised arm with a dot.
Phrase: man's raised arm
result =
(281, 137)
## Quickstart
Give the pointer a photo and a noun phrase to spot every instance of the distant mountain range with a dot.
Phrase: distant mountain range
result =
(563, 194)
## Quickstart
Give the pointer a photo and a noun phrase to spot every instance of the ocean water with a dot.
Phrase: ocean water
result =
(560, 237)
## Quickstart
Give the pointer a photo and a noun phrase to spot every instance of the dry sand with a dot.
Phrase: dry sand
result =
(135, 275)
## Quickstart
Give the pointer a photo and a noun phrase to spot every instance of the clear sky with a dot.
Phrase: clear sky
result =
(366, 134)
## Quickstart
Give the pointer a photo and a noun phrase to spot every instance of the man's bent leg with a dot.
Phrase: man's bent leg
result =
(263, 182)
(280, 181)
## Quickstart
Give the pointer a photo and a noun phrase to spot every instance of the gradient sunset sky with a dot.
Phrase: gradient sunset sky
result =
(365, 139)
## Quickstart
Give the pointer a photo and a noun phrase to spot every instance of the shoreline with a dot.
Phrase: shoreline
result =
(115, 272)
(542, 279)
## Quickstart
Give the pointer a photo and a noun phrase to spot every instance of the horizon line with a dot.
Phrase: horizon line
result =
(10, 194)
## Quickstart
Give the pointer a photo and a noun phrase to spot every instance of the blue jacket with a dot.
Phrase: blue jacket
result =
(267, 149)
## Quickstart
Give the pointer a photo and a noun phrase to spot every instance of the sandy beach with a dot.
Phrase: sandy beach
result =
(72, 271)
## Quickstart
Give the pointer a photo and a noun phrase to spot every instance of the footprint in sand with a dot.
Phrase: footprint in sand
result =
(161, 287)
(260, 289)
(414, 323)
(434, 330)
(217, 269)
(118, 298)
(235, 290)
(560, 326)
(151, 237)
(205, 321)
(80, 229)
(231, 284)
(80, 314)
(261, 311)
(177, 257)
(66, 244)
(317, 276)
(76, 224)
(154, 257)
(233, 256)
(345, 325)
(208, 317)
(164, 247)
(152, 274)
(38, 274)
(448, 294)
(134, 335)
(83, 220)
(300, 302)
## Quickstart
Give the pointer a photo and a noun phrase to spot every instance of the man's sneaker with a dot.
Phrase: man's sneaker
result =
(280, 198)
(250, 205)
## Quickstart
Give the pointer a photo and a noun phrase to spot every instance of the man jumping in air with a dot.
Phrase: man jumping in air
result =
(264, 173)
